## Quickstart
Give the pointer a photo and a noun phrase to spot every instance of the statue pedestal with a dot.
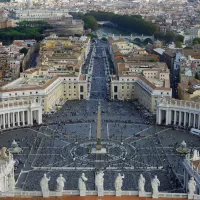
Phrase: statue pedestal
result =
(11, 194)
(142, 194)
(101, 151)
(155, 195)
(58, 193)
(190, 196)
(118, 193)
(82, 193)
(45, 194)
(100, 193)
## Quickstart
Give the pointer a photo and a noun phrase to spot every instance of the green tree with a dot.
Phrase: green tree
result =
(132, 23)
(92, 36)
(179, 38)
(187, 47)
(24, 51)
(90, 22)
(178, 44)
(169, 37)
(197, 76)
(104, 39)
(196, 41)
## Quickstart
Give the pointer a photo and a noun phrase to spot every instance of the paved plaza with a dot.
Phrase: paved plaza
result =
(134, 144)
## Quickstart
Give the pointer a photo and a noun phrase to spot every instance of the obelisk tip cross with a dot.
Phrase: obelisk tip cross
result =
(98, 146)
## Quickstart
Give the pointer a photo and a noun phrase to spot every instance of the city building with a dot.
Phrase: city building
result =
(138, 75)
(191, 33)
(11, 59)
(39, 14)
(6, 23)
(56, 79)
(63, 23)
(189, 89)
(147, 82)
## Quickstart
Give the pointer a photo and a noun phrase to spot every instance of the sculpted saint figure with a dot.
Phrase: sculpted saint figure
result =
(3, 154)
(44, 183)
(99, 180)
(141, 183)
(155, 183)
(11, 182)
(82, 182)
(60, 183)
(119, 182)
(192, 185)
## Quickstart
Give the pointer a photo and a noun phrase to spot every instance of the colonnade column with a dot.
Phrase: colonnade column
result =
(4, 126)
(175, 117)
(194, 122)
(185, 118)
(179, 118)
(18, 119)
(199, 122)
(159, 113)
(189, 119)
(30, 117)
(167, 117)
(23, 119)
(170, 117)
(0, 121)
(39, 116)
(8, 120)
(13, 119)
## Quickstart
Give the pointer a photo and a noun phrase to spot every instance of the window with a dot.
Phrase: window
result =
(74, 87)
(81, 88)
(115, 88)
(30, 92)
(15, 93)
(122, 87)
(36, 92)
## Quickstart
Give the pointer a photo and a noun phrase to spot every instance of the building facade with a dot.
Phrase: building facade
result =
(19, 113)
(178, 112)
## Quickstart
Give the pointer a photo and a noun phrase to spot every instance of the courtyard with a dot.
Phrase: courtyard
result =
(134, 144)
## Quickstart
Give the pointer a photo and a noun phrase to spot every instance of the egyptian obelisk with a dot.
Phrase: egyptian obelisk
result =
(98, 146)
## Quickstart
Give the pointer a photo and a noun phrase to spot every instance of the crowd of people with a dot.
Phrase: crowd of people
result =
(134, 145)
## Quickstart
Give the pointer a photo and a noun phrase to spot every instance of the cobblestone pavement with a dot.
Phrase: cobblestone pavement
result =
(134, 145)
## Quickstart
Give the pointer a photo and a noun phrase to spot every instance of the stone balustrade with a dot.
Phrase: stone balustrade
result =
(92, 193)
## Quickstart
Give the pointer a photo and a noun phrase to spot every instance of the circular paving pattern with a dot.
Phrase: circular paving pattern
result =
(114, 151)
